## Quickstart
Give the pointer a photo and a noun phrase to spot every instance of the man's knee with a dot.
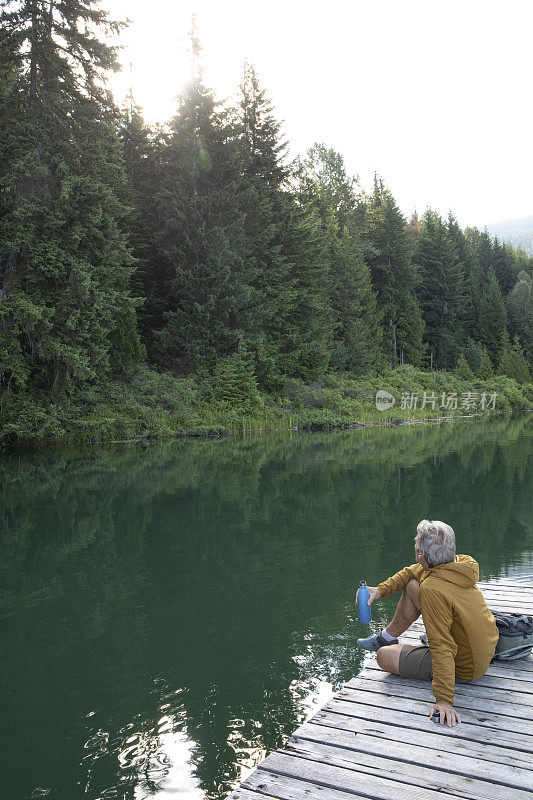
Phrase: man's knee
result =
(388, 658)
(412, 590)
(381, 657)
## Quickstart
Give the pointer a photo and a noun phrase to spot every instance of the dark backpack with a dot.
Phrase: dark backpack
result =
(516, 636)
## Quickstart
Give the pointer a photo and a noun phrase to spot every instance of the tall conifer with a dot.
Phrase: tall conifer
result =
(516, 304)
(441, 291)
(264, 207)
(490, 314)
(466, 256)
(65, 262)
(528, 328)
(394, 278)
(142, 150)
(207, 297)
(292, 330)
(357, 332)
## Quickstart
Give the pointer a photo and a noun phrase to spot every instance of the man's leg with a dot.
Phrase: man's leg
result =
(388, 658)
(407, 611)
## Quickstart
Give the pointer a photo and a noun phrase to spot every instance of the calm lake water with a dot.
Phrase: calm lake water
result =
(170, 612)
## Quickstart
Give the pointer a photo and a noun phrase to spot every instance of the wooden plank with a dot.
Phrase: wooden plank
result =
(421, 753)
(393, 729)
(518, 593)
(504, 670)
(415, 766)
(266, 784)
(414, 717)
(516, 590)
(345, 778)
(518, 598)
(508, 584)
(508, 606)
(423, 693)
(421, 706)
(482, 728)
(246, 794)
(474, 690)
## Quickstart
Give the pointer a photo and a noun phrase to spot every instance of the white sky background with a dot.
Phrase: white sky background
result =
(435, 96)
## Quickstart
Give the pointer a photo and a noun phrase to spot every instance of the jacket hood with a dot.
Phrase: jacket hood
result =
(464, 571)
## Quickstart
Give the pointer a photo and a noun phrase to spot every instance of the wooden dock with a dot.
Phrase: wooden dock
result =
(374, 739)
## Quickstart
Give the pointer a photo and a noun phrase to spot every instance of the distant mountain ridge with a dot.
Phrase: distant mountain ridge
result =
(517, 232)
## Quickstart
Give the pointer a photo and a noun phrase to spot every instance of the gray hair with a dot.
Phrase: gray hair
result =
(437, 540)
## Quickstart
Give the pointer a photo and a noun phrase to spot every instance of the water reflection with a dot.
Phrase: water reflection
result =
(169, 613)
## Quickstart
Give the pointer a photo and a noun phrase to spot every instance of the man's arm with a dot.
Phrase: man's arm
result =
(438, 617)
(399, 581)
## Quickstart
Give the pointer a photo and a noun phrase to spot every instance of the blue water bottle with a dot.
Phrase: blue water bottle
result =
(365, 612)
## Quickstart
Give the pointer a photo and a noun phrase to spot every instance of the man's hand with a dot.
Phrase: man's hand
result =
(374, 593)
(447, 713)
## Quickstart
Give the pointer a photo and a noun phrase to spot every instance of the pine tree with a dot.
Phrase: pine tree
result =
(414, 228)
(489, 306)
(326, 188)
(235, 382)
(357, 331)
(521, 263)
(263, 146)
(528, 328)
(65, 259)
(473, 353)
(467, 259)
(503, 263)
(269, 213)
(479, 274)
(144, 150)
(463, 368)
(513, 361)
(492, 316)
(394, 278)
(140, 159)
(516, 304)
(486, 370)
(208, 301)
(441, 291)
(308, 324)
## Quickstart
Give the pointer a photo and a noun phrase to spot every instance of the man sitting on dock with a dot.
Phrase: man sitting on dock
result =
(461, 630)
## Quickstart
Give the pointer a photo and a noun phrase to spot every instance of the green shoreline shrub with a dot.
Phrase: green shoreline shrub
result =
(149, 404)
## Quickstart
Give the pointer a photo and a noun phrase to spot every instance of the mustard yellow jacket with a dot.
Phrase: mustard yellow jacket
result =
(461, 630)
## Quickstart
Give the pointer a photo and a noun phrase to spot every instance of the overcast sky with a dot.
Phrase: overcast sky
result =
(435, 96)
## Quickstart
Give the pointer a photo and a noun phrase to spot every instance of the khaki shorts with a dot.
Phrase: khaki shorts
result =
(415, 662)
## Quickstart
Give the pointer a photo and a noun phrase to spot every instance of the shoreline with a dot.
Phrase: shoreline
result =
(219, 432)
(391, 422)
(150, 406)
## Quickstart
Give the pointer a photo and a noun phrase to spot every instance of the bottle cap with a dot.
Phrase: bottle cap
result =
(363, 583)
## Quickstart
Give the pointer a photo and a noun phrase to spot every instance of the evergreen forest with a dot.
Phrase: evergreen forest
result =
(189, 277)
